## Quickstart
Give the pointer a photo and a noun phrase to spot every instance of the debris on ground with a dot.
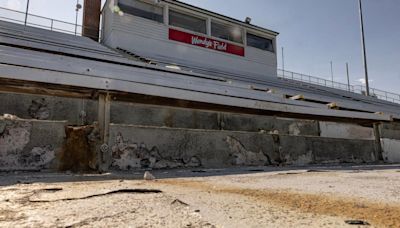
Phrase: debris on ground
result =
(357, 222)
(148, 176)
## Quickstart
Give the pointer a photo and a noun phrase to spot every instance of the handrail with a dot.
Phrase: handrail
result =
(377, 93)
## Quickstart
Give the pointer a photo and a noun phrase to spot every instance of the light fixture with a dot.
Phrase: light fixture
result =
(247, 20)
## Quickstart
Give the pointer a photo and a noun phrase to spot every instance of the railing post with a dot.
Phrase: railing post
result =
(52, 22)
(292, 76)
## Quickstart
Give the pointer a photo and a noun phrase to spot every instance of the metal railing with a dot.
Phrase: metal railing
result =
(360, 89)
(33, 20)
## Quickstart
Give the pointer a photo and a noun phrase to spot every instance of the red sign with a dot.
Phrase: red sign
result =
(205, 42)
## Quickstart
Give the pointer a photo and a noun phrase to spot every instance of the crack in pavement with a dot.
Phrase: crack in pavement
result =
(119, 191)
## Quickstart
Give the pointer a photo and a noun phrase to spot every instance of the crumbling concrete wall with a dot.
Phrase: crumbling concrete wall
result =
(30, 145)
(27, 106)
(390, 141)
(345, 131)
(149, 147)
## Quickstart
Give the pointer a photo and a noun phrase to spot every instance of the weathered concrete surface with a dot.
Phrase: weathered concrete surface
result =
(391, 150)
(301, 150)
(243, 122)
(27, 106)
(150, 147)
(142, 147)
(327, 150)
(30, 145)
(159, 116)
(345, 131)
(390, 130)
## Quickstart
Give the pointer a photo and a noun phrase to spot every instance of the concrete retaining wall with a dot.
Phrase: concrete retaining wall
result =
(141, 147)
(30, 145)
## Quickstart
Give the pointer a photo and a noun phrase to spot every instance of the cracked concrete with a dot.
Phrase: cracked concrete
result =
(29, 145)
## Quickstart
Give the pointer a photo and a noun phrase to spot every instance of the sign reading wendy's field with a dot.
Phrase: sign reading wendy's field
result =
(205, 42)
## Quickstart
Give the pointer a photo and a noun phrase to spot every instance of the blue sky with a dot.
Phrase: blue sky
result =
(313, 32)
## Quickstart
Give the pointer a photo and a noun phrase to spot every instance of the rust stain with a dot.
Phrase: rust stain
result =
(378, 214)
(78, 153)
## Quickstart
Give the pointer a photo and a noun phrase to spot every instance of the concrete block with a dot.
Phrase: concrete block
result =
(295, 150)
(159, 116)
(391, 150)
(142, 147)
(328, 150)
(242, 122)
(390, 130)
(28, 106)
(30, 144)
(345, 131)
(303, 150)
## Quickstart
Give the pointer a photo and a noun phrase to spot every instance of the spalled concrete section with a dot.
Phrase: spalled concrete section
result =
(30, 145)
(27, 106)
(300, 150)
(147, 147)
(345, 131)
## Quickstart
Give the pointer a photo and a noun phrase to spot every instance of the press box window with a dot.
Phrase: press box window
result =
(142, 9)
(260, 42)
(226, 32)
(187, 22)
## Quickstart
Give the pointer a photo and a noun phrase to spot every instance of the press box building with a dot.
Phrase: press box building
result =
(179, 33)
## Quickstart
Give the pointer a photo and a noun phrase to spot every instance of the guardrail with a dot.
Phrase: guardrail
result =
(40, 21)
(380, 94)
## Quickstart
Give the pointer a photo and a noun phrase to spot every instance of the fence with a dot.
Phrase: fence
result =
(380, 94)
(40, 21)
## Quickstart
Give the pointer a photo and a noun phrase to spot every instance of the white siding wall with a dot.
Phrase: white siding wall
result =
(150, 39)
